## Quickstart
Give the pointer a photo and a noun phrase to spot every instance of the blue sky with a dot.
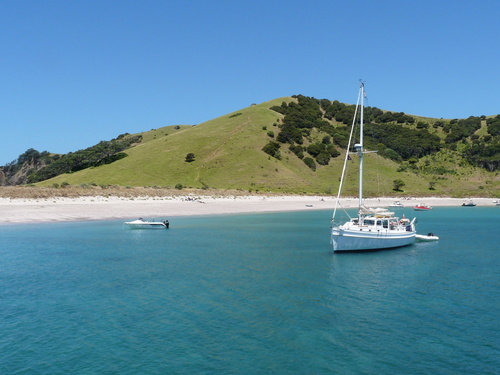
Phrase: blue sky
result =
(74, 73)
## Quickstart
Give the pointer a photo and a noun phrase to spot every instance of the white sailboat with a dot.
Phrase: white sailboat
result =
(373, 228)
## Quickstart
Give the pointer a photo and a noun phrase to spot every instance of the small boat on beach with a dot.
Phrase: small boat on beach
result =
(397, 204)
(422, 207)
(144, 224)
(468, 204)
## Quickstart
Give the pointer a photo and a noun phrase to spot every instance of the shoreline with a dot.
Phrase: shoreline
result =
(90, 208)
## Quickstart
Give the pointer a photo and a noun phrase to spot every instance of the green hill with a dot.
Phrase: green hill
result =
(228, 154)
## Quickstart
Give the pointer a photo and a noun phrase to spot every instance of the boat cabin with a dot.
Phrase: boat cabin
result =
(374, 222)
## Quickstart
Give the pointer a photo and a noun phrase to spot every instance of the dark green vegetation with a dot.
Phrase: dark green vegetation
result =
(45, 165)
(396, 136)
(288, 145)
(405, 139)
(190, 157)
(103, 153)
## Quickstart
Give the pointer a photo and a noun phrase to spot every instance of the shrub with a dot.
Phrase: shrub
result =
(323, 158)
(272, 148)
(179, 186)
(297, 150)
(310, 163)
(389, 153)
(314, 149)
(332, 151)
(190, 157)
(398, 184)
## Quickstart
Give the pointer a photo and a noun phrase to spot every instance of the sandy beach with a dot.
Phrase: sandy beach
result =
(16, 210)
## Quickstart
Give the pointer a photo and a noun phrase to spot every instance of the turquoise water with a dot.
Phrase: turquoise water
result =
(249, 294)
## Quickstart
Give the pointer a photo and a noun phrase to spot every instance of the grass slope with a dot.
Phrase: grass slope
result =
(228, 155)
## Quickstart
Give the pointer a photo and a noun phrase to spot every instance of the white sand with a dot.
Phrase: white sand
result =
(103, 208)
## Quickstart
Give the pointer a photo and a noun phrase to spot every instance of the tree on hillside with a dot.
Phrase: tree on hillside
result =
(273, 149)
(310, 162)
(190, 157)
(104, 152)
(493, 125)
(398, 184)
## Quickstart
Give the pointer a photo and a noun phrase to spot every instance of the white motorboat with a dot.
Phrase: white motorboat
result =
(397, 204)
(371, 229)
(144, 224)
(468, 204)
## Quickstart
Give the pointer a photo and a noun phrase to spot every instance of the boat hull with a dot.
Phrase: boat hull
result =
(143, 224)
(359, 241)
(146, 226)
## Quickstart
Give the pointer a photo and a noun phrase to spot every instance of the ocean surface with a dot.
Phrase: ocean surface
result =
(249, 294)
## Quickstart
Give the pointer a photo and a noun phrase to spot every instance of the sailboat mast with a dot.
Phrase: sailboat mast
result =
(347, 157)
(360, 147)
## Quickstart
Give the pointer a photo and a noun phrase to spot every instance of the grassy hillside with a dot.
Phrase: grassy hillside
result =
(228, 155)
